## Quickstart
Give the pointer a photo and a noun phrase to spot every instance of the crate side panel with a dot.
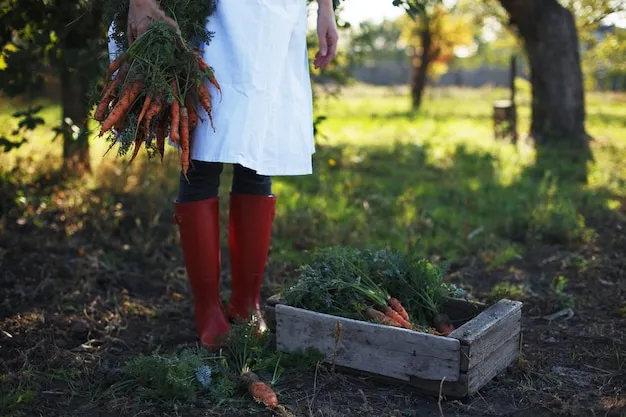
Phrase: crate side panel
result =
(494, 364)
(383, 350)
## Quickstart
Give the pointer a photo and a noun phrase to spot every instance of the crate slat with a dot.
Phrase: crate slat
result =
(486, 333)
(389, 351)
(485, 370)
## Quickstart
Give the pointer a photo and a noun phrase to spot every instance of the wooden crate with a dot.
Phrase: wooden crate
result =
(485, 342)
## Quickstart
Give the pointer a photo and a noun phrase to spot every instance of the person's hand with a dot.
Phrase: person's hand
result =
(141, 15)
(327, 34)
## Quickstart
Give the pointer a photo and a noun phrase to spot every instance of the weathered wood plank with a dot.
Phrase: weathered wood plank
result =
(487, 332)
(493, 364)
(398, 353)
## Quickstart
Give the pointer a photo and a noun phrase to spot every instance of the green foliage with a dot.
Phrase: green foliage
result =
(553, 218)
(345, 281)
(165, 378)
(41, 38)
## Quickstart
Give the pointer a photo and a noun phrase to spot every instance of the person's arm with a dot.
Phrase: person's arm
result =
(326, 32)
(141, 14)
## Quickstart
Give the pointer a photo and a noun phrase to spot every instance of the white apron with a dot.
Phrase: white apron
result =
(264, 118)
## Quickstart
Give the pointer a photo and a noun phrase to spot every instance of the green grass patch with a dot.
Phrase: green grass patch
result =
(386, 177)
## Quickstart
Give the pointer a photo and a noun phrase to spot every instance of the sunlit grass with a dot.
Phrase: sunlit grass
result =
(385, 176)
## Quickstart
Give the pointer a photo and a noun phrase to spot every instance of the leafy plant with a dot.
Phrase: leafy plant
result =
(345, 282)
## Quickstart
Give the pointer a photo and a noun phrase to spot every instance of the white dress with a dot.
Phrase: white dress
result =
(264, 118)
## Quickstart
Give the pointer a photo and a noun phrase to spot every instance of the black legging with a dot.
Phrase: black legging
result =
(204, 181)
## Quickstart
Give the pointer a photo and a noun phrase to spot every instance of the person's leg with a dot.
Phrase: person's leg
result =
(252, 210)
(197, 216)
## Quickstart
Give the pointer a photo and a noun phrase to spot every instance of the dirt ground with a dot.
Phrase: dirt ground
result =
(75, 305)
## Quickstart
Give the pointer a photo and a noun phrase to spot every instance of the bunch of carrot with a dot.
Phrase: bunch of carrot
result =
(153, 91)
(394, 314)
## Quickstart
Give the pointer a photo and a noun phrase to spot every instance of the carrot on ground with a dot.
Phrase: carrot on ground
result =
(389, 312)
(127, 97)
(184, 139)
(260, 391)
(381, 318)
(397, 306)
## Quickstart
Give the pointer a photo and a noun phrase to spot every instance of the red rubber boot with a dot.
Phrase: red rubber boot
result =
(199, 227)
(250, 230)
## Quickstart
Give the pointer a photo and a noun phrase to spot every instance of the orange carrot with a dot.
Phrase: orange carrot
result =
(381, 318)
(108, 91)
(161, 132)
(107, 96)
(144, 109)
(193, 116)
(115, 65)
(395, 304)
(389, 312)
(204, 67)
(260, 391)
(154, 109)
(215, 84)
(184, 139)
(175, 115)
(138, 140)
(128, 96)
(205, 99)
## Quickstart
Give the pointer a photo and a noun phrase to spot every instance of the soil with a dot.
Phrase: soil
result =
(80, 293)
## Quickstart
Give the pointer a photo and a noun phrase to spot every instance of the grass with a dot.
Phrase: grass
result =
(387, 177)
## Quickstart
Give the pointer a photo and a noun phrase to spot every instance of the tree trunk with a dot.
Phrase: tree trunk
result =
(74, 124)
(552, 47)
(421, 61)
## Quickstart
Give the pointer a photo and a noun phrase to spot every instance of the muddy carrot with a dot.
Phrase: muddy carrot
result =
(138, 140)
(191, 110)
(389, 312)
(161, 132)
(107, 96)
(175, 115)
(215, 84)
(205, 100)
(115, 65)
(154, 109)
(184, 139)
(260, 391)
(398, 308)
(380, 317)
(128, 96)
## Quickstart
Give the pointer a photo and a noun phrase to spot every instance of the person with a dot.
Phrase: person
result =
(263, 126)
